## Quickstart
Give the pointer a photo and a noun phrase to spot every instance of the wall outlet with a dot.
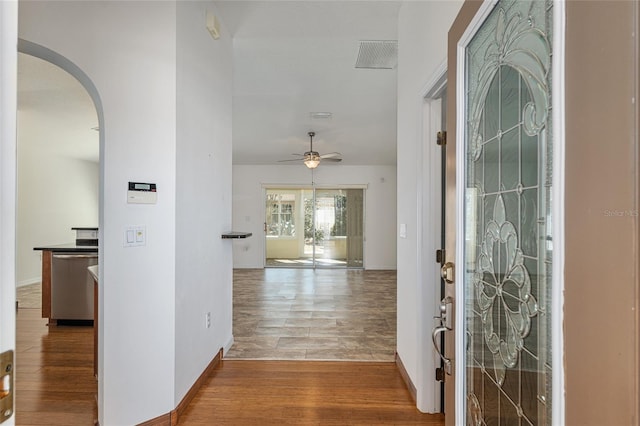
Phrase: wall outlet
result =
(207, 320)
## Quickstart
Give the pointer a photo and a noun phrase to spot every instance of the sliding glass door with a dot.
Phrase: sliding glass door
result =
(322, 227)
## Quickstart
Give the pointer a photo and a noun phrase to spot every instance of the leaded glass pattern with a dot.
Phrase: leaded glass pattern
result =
(508, 241)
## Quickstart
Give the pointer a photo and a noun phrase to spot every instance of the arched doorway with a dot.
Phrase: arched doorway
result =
(60, 138)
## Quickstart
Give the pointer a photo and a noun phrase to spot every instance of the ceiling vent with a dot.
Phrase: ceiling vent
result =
(378, 54)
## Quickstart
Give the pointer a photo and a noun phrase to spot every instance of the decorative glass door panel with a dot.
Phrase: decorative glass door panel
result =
(508, 241)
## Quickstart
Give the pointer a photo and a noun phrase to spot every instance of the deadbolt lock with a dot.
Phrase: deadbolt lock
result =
(6, 385)
(447, 272)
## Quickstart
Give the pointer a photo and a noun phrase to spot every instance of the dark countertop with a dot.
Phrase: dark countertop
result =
(236, 234)
(69, 248)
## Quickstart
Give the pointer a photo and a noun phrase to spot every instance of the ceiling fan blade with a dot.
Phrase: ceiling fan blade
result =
(331, 159)
(295, 159)
(330, 155)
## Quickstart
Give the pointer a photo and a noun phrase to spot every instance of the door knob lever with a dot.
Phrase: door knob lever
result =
(446, 323)
(434, 338)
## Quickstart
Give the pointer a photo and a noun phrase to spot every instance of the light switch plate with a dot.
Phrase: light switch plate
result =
(403, 230)
(135, 236)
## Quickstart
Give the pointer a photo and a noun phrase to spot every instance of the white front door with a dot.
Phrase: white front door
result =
(8, 105)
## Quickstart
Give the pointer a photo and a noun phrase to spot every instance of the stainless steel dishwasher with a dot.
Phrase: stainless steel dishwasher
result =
(72, 286)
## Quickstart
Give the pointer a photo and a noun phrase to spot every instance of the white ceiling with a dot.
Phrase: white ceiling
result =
(292, 58)
(59, 105)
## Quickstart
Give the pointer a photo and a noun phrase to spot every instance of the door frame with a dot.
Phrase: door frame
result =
(458, 42)
(429, 181)
(46, 54)
(8, 115)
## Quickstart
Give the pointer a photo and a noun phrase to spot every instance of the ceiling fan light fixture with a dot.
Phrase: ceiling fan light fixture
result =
(311, 159)
(311, 163)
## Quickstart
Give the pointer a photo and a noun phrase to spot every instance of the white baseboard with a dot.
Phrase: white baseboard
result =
(381, 268)
(29, 281)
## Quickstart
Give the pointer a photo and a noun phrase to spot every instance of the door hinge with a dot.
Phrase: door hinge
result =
(6, 385)
(442, 138)
(440, 374)
(440, 256)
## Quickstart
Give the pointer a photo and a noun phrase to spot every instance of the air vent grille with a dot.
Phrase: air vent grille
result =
(378, 54)
(320, 115)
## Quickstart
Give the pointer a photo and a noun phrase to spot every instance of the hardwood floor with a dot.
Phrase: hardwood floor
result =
(241, 392)
(322, 314)
(55, 384)
(338, 314)
(29, 296)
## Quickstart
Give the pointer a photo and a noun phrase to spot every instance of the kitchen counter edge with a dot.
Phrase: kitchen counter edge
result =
(68, 248)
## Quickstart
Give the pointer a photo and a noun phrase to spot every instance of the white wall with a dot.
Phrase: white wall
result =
(55, 192)
(203, 198)
(8, 90)
(380, 207)
(165, 88)
(422, 39)
(128, 50)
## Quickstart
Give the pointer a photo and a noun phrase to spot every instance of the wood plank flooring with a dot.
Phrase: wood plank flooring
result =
(55, 384)
(339, 314)
(29, 296)
(243, 392)
(322, 314)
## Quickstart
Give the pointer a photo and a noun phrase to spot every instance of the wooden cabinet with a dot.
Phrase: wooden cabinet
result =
(95, 326)
(47, 256)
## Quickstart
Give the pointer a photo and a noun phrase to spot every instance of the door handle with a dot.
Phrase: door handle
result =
(265, 227)
(434, 337)
(446, 323)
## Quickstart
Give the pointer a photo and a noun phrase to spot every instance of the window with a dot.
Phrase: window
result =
(281, 217)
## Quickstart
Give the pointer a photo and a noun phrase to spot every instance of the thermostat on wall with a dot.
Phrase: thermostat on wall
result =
(142, 193)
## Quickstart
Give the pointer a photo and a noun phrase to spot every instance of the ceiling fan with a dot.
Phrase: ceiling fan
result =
(312, 158)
